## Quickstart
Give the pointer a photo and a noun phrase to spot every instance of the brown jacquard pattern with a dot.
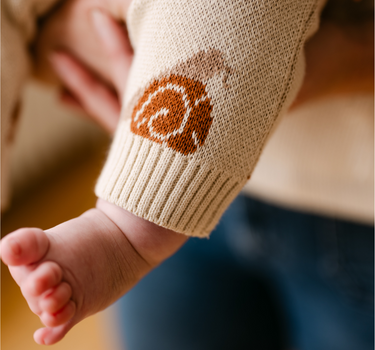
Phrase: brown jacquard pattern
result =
(175, 111)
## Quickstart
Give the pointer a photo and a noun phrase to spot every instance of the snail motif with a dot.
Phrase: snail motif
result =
(175, 109)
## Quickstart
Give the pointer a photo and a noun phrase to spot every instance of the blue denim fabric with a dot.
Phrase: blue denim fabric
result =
(268, 278)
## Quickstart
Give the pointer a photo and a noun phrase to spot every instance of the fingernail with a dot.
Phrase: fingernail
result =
(14, 247)
(46, 341)
(102, 24)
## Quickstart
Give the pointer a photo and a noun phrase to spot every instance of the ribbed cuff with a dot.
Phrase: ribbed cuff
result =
(165, 187)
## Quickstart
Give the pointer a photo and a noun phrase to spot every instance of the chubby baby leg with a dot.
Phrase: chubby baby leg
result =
(83, 265)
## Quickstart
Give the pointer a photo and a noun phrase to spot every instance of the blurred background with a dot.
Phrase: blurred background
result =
(55, 161)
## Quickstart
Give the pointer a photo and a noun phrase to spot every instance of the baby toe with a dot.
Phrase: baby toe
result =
(60, 317)
(49, 336)
(55, 299)
(24, 246)
(46, 276)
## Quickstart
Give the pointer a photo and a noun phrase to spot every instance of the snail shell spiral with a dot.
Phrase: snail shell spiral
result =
(175, 111)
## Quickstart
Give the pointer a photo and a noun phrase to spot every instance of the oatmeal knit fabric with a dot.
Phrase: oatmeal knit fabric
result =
(320, 159)
(208, 81)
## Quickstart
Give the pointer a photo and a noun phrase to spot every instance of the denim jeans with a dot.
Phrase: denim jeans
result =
(268, 278)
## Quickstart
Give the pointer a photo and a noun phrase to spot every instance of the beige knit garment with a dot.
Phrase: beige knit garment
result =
(18, 24)
(208, 81)
(321, 159)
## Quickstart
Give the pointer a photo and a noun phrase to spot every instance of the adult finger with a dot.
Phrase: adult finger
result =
(96, 99)
(116, 43)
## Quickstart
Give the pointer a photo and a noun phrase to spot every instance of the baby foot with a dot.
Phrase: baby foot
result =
(73, 270)
(83, 265)
(41, 282)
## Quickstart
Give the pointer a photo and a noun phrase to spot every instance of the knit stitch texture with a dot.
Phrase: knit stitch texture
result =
(208, 81)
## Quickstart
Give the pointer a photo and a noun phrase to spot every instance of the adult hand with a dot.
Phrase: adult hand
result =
(85, 48)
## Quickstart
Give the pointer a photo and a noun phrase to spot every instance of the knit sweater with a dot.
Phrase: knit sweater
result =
(208, 83)
(320, 159)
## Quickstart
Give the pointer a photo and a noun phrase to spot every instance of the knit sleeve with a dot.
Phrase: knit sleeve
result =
(208, 81)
